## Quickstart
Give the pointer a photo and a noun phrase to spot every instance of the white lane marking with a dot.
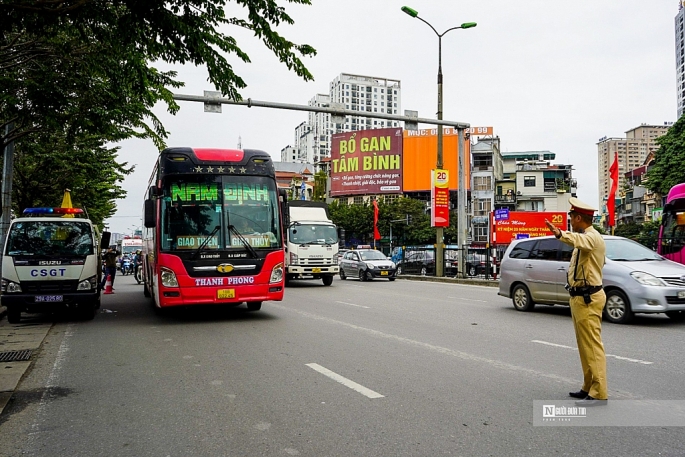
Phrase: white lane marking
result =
(352, 304)
(468, 299)
(431, 347)
(51, 383)
(617, 357)
(344, 381)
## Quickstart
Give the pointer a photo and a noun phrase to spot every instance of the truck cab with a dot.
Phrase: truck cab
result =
(51, 262)
(312, 243)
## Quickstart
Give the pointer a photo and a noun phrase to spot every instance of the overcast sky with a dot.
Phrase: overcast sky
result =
(547, 75)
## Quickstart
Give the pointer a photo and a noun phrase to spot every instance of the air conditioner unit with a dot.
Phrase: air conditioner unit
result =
(518, 192)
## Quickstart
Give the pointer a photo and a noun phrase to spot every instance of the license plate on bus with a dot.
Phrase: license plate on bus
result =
(225, 293)
(316, 270)
(49, 298)
(384, 273)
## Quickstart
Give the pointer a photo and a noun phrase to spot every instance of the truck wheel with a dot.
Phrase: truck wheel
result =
(254, 305)
(86, 312)
(287, 281)
(13, 315)
(327, 280)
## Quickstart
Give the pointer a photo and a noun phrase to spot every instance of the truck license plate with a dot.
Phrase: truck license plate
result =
(316, 270)
(384, 273)
(49, 298)
(225, 293)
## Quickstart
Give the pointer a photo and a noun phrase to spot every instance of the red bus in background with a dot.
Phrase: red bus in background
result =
(213, 229)
(671, 242)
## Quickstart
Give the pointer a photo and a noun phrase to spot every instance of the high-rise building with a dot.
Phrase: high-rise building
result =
(680, 55)
(632, 152)
(366, 94)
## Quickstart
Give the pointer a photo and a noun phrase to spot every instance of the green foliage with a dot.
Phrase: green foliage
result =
(600, 229)
(357, 220)
(629, 230)
(79, 74)
(668, 168)
(649, 234)
(320, 180)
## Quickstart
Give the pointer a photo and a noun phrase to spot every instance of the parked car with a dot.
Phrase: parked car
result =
(417, 262)
(477, 264)
(366, 264)
(636, 279)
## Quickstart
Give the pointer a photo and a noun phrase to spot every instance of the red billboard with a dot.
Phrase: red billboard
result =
(440, 199)
(366, 162)
(508, 226)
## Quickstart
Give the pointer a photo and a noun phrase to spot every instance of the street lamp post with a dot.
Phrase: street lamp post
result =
(439, 231)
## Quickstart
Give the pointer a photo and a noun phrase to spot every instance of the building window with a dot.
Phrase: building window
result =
(359, 200)
(343, 201)
(529, 181)
(482, 183)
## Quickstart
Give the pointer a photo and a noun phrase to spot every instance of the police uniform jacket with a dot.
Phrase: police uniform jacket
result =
(587, 259)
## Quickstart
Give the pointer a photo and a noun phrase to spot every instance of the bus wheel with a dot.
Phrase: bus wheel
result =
(13, 314)
(327, 280)
(254, 305)
(146, 291)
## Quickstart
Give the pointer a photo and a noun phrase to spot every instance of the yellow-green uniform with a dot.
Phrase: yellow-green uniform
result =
(585, 270)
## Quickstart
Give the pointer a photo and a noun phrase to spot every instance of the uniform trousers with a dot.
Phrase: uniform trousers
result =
(587, 321)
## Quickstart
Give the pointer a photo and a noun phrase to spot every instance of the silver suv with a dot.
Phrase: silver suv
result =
(636, 279)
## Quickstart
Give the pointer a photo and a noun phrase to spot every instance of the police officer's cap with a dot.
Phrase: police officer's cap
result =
(581, 208)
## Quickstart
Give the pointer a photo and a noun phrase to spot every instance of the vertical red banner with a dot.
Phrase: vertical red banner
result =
(440, 198)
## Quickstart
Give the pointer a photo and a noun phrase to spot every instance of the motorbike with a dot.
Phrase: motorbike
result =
(126, 267)
(138, 273)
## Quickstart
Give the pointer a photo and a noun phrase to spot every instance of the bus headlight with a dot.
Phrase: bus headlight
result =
(10, 287)
(87, 284)
(276, 274)
(168, 278)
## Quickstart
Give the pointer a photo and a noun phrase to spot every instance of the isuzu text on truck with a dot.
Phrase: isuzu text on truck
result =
(51, 262)
(312, 242)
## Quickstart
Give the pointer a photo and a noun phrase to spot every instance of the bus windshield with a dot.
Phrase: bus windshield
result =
(197, 206)
(50, 239)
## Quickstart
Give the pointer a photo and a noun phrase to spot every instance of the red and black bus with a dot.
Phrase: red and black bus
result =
(213, 229)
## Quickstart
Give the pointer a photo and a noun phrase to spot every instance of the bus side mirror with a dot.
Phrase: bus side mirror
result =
(150, 214)
(153, 192)
(104, 241)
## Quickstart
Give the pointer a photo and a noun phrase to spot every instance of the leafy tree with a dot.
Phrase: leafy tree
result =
(649, 234)
(45, 168)
(74, 70)
(630, 230)
(668, 168)
(320, 180)
(600, 229)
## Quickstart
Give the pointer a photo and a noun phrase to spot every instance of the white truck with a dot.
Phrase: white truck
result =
(51, 261)
(312, 242)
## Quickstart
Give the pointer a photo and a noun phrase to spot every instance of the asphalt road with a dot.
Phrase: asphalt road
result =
(375, 369)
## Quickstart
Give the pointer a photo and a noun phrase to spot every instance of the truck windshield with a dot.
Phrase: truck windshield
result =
(193, 206)
(313, 234)
(50, 238)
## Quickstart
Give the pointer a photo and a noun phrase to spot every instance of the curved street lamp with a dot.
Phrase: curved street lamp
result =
(439, 256)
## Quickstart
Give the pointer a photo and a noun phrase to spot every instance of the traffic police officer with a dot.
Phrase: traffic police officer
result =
(584, 283)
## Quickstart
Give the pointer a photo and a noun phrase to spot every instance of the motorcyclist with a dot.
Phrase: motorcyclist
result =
(137, 262)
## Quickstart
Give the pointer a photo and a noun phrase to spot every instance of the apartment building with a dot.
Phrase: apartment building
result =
(680, 56)
(486, 171)
(632, 152)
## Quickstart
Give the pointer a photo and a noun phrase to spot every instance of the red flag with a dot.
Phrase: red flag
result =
(613, 174)
(376, 233)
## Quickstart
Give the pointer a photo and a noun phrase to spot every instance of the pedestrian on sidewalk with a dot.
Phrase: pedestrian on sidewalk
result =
(584, 284)
(110, 259)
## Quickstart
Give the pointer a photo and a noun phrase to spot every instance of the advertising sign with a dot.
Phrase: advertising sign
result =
(525, 224)
(419, 157)
(366, 162)
(440, 199)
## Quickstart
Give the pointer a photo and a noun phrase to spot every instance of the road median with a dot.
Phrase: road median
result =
(463, 281)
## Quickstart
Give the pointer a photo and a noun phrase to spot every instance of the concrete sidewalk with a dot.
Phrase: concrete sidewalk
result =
(17, 341)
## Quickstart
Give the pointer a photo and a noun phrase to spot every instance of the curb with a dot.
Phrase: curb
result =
(468, 282)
